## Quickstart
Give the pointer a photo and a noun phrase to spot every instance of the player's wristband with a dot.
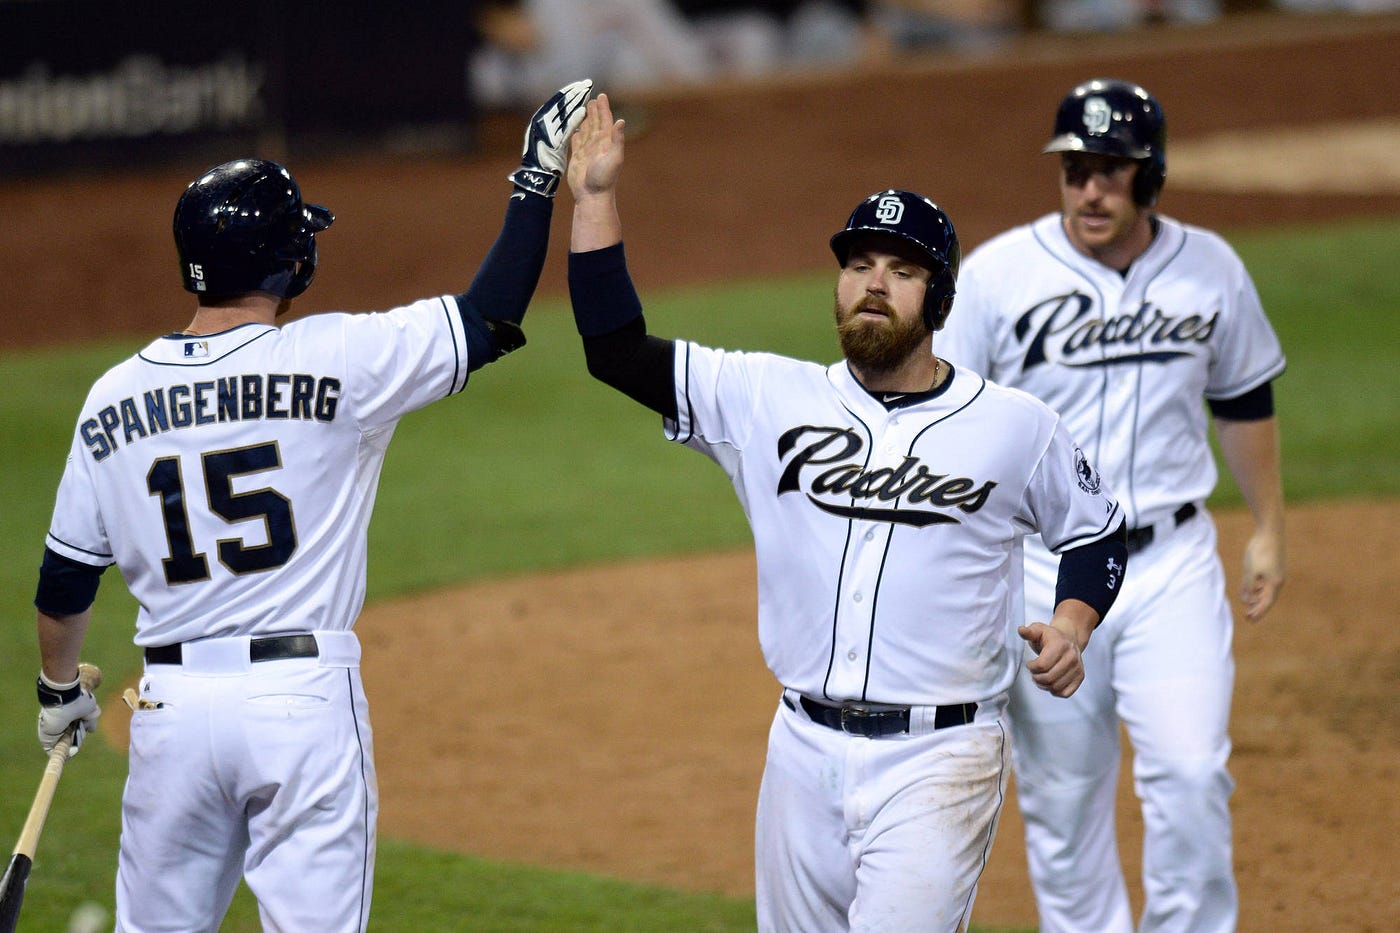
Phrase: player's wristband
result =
(535, 180)
(52, 694)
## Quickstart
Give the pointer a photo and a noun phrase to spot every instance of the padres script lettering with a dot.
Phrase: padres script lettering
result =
(911, 480)
(276, 396)
(1155, 336)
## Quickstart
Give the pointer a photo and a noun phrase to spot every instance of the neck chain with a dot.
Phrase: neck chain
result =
(940, 373)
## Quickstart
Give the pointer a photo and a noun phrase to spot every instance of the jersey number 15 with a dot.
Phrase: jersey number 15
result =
(185, 564)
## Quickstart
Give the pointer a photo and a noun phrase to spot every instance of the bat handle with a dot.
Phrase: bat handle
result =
(58, 755)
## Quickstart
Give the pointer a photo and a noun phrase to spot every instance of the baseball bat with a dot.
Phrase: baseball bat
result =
(17, 871)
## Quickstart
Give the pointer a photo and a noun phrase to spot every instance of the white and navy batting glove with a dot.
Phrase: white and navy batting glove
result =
(544, 157)
(62, 706)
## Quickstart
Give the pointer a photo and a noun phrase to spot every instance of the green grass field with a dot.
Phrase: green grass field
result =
(537, 466)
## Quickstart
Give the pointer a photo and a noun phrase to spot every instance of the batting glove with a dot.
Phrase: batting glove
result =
(544, 157)
(62, 706)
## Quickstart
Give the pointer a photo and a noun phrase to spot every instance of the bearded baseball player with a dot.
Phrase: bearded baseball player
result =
(888, 494)
(1123, 320)
(229, 472)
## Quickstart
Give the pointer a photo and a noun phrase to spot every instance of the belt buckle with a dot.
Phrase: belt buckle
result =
(870, 720)
(850, 715)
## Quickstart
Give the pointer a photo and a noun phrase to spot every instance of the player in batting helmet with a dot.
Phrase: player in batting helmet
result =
(917, 220)
(1119, 119)
(243, 227)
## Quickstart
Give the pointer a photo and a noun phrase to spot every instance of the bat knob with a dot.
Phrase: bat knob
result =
(89, 675)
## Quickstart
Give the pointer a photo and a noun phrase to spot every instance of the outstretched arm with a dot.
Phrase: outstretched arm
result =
(607, 311)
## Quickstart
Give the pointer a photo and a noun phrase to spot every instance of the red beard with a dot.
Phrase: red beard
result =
(877, 345)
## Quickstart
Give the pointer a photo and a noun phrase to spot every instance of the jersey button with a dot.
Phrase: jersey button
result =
(851, 655)
(857, 597)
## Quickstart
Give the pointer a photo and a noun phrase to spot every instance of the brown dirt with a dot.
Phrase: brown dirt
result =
(614, 720)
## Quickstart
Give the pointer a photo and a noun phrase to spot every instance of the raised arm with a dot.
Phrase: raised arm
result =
(495, 303)
(607, 311)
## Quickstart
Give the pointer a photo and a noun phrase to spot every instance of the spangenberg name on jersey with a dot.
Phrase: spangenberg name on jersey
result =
(276, 396)
(1148, 331)
(911, 480)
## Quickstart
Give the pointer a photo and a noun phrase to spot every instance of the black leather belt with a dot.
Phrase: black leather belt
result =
(875, 721)
(1139, 538)
(270, 648)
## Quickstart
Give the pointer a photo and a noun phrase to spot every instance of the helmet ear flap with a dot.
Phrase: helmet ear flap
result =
(1147, 184)
(302, 253)
(938, 302)
(305, 271)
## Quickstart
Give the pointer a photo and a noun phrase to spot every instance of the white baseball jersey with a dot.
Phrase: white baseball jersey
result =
(230, 436)
(1125, 360)
(888, 541)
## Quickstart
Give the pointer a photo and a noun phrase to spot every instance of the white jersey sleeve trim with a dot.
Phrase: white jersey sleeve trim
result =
(459, 343)
(73, 552)
(1110, 525)
(682, 430)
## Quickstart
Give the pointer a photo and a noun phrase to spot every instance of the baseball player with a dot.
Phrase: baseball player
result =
(1122, 320)
(229, 472)
(888, 494)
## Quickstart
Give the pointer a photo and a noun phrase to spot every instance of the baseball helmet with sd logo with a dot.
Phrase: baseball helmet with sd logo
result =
(917, 220)
(1116, 118)
(243, 227)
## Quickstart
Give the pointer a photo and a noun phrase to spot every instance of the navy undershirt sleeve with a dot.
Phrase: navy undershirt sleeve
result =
(487, 341)
(616, 345)
(601, 290)
(1093, 573)
(66, 586)
(637, 364)
(502, 288)
(1255, 405)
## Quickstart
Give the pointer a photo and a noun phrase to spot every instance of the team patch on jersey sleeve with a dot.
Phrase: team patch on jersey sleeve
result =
(1088, 477)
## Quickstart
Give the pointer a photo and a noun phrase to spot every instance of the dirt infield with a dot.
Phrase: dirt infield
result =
(626, 735)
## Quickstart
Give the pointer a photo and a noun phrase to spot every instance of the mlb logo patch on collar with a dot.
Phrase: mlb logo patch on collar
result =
(196, 348)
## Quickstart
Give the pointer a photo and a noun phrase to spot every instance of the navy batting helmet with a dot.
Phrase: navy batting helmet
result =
(242, 227)
(1116, 118)
(917, 220)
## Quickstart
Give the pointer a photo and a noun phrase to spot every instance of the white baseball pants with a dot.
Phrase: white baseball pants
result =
(1161, 665)
(262, 771)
